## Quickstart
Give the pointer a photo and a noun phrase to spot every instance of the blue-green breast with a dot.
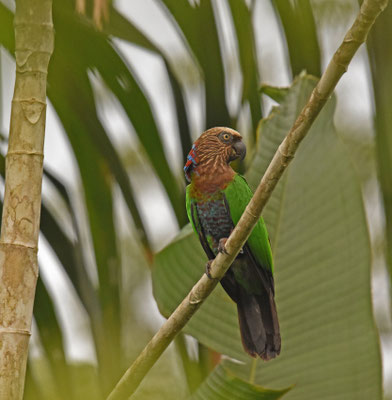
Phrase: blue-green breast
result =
(214, 220)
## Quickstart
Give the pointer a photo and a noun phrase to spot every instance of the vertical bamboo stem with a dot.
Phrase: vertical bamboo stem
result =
(34, 41)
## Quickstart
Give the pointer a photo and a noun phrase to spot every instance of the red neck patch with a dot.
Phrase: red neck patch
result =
(191, 162)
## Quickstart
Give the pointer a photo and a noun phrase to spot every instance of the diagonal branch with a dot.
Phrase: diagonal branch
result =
(356, 35)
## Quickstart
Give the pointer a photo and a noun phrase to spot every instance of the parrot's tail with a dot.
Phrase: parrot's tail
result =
(259, 324)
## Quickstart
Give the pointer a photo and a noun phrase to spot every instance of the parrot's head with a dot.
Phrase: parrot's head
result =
(215, 147)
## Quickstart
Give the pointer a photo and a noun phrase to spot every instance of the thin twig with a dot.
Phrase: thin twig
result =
(356, 35)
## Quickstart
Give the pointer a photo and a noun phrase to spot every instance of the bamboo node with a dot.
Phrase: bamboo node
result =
(29, 100)
(23, 246)
(15, 331)
(45, 25)
(24, 152)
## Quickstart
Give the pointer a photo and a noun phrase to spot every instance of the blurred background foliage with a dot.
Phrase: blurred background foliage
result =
(118, 197)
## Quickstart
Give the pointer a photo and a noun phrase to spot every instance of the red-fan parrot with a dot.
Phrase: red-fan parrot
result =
(215, 200)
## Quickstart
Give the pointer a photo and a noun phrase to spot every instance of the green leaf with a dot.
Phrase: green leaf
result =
(6, 28)
(320, 243)
(93, 52)
(122, 28)
(223, 384)
(52, 341)
(301, 35)
(380, 56)
(32, 390)
(242, 18)
(275, 93)
(69, 252)
(182, 116)
(199, 31)
(73, 101)
(84, 381)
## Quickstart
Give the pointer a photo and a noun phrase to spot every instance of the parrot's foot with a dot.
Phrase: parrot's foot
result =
(221, 246)
(208, 269)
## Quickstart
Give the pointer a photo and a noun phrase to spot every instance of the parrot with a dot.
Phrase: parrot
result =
(216, 197)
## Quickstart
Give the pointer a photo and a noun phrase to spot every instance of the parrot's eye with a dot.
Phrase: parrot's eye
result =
(225, 136)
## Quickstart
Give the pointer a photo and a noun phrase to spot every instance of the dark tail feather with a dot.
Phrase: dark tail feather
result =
(259, 324)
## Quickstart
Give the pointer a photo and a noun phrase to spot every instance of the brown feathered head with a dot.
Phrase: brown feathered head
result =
(215, 147)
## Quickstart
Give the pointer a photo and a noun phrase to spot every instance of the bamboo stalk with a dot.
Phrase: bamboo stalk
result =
(34, 41)
(356, 35)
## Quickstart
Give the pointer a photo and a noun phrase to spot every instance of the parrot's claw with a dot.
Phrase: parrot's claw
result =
(221, 246)
(208, 269)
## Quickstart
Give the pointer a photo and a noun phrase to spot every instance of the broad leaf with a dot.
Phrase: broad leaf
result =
(223, 384)
(319, 237)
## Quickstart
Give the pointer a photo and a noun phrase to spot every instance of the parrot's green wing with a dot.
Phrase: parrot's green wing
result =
(238, 195)
(189, 207)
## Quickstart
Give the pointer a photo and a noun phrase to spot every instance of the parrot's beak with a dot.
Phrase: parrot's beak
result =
(239, 151)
